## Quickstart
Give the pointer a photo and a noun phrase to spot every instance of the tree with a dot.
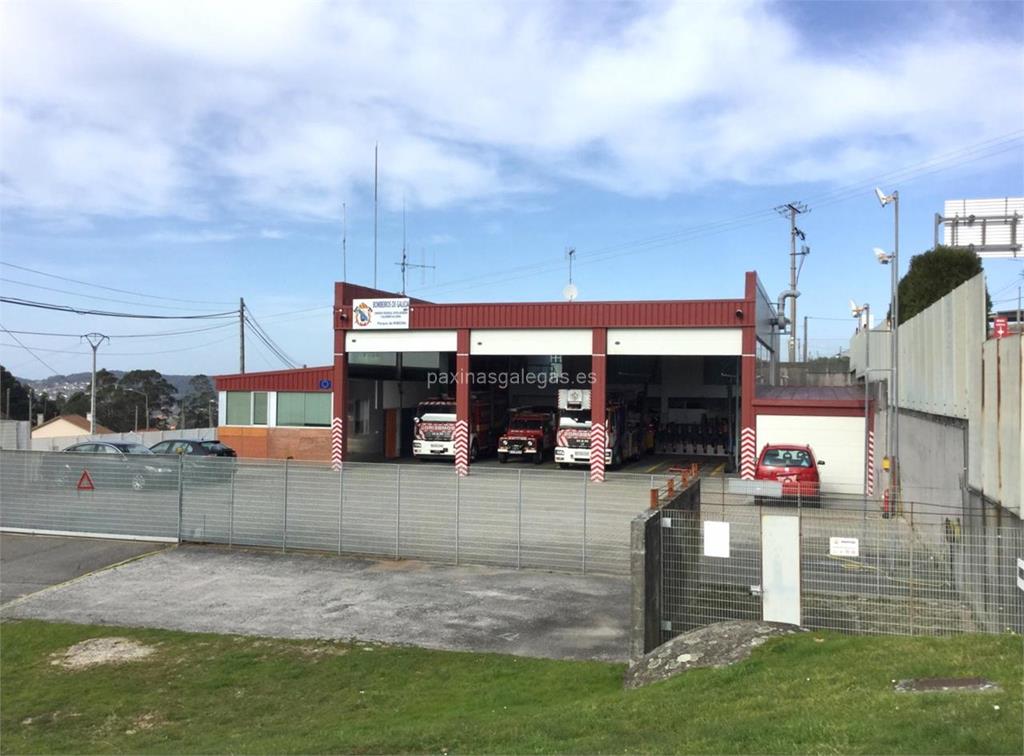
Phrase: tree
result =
(197, 413)
(159, 392)
(932, 275)
(14, 404)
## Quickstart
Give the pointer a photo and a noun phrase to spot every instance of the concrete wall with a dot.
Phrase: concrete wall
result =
(997, 425)
(146, 438)
(15, 434)
(934, 453)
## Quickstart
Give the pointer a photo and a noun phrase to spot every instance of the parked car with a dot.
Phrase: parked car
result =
(135, 466)
(795, 467)
(193, 448)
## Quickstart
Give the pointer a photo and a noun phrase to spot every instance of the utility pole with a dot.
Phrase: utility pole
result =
(375, 147)
(793, 209)
(30, 408)
(344, 239)
(805, 339)
(241, 335)
(94, 339)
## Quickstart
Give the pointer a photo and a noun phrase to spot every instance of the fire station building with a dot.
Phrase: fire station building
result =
(694, 371)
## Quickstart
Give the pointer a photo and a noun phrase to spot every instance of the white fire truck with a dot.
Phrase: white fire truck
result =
(572, 443)
(434, 427)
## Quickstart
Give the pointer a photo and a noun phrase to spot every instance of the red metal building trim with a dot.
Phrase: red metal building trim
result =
(299, 379)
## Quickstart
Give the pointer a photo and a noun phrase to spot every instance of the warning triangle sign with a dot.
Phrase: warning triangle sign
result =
(85, 482)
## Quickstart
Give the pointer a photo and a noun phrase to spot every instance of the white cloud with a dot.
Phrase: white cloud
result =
(189, 109)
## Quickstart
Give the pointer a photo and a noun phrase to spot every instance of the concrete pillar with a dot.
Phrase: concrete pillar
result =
(598, 403)
(748, 382)
(462, 404)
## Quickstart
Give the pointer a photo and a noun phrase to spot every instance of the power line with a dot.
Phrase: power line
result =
(941, 162)
(123, 354)
(93, 296)
(108, 288)
(39, 359)
(107, 314)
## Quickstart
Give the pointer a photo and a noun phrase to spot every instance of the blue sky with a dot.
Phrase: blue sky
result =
(202, 152)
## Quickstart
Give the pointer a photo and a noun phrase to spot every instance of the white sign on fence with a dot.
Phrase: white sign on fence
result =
(370, 314)
(716, 539)
(843, 547)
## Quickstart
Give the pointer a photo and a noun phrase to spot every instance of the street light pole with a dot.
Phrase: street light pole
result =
(145, 396)
(894, 307)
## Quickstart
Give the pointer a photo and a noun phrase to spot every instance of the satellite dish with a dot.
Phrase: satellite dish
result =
(570, 292)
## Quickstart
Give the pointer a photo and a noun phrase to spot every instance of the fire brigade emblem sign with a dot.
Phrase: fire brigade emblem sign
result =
(374, 314)
(363, 315)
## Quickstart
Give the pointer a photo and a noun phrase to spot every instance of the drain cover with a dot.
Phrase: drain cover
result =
(947, 685)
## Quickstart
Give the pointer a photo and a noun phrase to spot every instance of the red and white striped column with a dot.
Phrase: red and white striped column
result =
(462, 404)
(748, 453)
(598, 404)
(748, 380)
(869, 477)
(339, 405)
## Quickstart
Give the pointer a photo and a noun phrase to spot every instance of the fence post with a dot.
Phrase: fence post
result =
(457, 487)
(284, 532)
(181, 484)
(341, 502)
(231, 507)
(398, 511)
(586, 476)
(519, 522)
(912, 539)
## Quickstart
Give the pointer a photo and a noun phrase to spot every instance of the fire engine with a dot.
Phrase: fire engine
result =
(434, 426)
(572, 445)
(530, 434)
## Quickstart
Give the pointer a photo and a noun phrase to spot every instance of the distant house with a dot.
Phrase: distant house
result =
(63, 426)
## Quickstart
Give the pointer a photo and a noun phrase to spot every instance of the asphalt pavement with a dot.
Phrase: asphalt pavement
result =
(482, 609)
(30, 563)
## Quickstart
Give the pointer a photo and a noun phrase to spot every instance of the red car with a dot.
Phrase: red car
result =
(530, 434)
(795, 467)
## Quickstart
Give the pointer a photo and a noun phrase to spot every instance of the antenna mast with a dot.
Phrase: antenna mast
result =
(375, 146)
(405, 264)
(344, 238)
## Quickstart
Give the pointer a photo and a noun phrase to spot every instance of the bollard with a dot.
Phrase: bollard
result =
(654, 498)
(671, 486)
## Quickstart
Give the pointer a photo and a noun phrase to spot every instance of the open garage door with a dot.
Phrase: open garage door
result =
(839, 441)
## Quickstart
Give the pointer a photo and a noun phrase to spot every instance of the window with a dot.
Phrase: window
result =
(239, 408)
(786, 458)
(361, 416)
(259, 408)
(304, 409)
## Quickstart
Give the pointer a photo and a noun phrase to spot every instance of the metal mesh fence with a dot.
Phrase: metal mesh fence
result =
(93, 493)
(541, 519)
(918, 569)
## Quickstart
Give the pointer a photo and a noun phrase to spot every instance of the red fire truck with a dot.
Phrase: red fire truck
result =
(434, 426)
(530, 434)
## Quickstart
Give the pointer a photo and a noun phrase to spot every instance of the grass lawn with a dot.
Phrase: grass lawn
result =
(818, 692)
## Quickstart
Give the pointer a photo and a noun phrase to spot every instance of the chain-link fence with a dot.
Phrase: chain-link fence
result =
(546, 519)
(914, 569)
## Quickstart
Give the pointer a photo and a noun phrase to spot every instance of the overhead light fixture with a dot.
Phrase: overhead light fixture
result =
(883, 198)
(883, 256)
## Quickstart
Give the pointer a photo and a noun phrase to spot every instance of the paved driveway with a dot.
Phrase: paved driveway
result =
(29, 563)
(214, 589)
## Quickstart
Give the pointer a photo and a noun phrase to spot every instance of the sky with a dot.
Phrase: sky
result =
(186, 154)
